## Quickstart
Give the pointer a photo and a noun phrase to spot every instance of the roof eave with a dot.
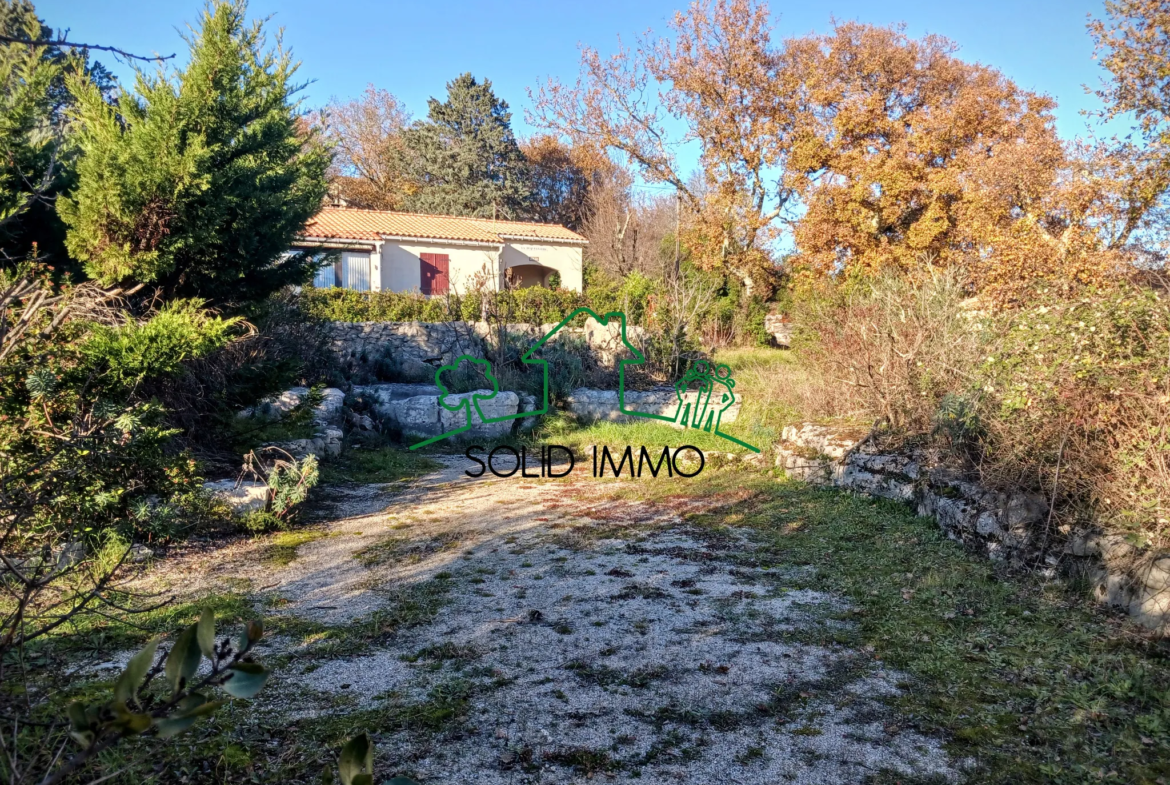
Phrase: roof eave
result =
(402, 238)
(335, 242)
(530, 238)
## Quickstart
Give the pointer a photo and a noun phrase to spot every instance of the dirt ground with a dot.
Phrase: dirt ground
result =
(589, 637)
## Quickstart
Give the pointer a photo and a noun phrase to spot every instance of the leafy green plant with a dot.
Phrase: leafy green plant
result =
(159, 694)
(1074, 396)
(291, 482)
(356, 764)
(126, 355)
(958, 417)
(261, 521)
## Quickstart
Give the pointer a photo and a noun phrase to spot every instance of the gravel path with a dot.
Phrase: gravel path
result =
(589, 637)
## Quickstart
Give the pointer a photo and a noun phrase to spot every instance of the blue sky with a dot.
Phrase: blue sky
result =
(414, 48)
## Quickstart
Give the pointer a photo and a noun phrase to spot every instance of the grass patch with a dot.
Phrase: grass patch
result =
(761, 418)
(307, 750)
(564, 430)
(282, 548)
(103, 635)
(582, 760)
(441, 652)
(406, 550)
(604, 676)
(365, 465)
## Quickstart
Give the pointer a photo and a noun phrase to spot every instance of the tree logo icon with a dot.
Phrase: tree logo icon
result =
(713, 385)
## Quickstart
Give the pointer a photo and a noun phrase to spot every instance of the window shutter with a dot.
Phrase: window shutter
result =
(442, 280)
(426, 272)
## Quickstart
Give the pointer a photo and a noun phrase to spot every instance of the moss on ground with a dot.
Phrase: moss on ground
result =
(380, 464)
(281, 549)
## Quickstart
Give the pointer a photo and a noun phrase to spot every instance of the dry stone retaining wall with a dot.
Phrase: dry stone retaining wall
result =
(420, 347)
(589, 405)
(1004, 526)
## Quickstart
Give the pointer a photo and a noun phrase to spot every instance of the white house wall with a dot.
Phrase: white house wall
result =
(401, 265)
(565, 259)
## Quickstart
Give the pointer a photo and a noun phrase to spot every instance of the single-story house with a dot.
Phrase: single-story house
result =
(437, 254)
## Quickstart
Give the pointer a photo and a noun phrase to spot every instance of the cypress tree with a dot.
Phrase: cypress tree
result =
(198, 181)
(464, 156)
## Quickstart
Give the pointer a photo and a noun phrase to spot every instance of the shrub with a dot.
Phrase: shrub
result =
(895, 344)
(199, 180)
(1075, 395)
(260, 522)
(125, 355)
(536, 305)
(284, 347)
(188, 510)
(76, 437)
(348, 305)
(1066, 397)
(291, 482)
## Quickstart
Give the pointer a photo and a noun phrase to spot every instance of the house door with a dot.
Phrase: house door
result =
(434, 273)
(356, 271)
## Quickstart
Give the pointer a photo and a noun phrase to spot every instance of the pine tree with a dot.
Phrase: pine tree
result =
(198, 181)
(34, 149)
(464, 156)
(27, 141)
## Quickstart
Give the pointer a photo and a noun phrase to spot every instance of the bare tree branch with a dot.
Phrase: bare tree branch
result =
(9, 39)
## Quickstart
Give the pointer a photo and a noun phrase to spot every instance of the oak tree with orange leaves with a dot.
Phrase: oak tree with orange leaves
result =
(906, 151)
(718, 75)
(562, 177)
(369, 166)
(873, 149)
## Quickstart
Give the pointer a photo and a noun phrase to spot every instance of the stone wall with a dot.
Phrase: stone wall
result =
(414, 410)
(1010, 527)
(418, 348)
(588, 405)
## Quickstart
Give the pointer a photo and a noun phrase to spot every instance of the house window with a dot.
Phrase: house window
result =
(434, 273)
(326, 276)
(355, 271)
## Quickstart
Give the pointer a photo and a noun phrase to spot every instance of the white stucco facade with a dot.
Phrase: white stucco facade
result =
(402, 265)
(564, 259)
(474, 266)
(408, 252)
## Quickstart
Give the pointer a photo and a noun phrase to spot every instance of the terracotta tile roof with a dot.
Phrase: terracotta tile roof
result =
(529, 230)
(337, 223)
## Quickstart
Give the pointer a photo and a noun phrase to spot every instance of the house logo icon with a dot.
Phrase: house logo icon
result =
(715, 388)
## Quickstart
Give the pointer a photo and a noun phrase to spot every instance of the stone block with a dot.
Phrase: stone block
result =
(417, 416)
(1156, 574)
(333, 441)
(528, 403)
(876, 484)
(242, 498)
(329, 410)
(987, 524)
(503, 404)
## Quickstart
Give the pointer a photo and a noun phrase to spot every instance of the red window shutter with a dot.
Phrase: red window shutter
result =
(426, 277)
(442, 279)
